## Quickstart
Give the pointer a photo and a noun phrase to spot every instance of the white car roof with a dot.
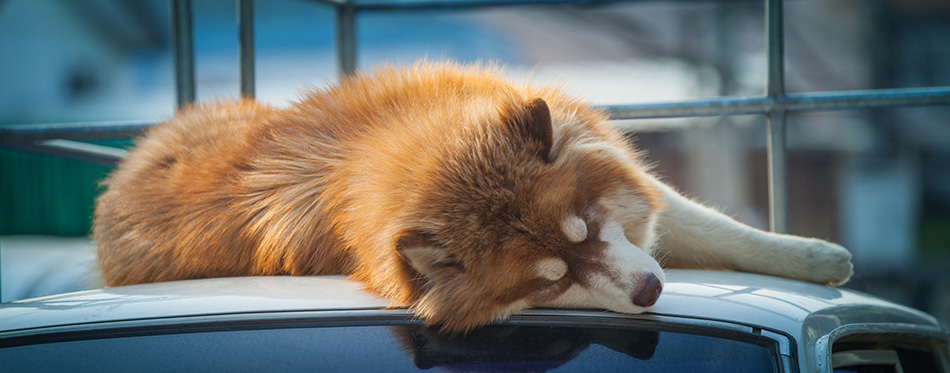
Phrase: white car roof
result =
(801, 310)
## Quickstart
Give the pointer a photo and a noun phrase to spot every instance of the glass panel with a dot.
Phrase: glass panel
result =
(400, 348)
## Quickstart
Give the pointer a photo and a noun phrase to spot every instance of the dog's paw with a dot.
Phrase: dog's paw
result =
(824, 262)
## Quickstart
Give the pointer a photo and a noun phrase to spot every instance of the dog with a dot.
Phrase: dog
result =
(439, 186)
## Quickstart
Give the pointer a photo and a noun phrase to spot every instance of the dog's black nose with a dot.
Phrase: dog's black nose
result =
(648, 291)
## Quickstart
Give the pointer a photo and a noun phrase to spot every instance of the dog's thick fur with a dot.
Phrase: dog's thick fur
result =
(440, 186)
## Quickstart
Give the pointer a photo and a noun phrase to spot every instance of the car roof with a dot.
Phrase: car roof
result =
(803, 311)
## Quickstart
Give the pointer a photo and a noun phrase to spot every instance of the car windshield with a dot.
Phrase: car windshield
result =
(406, 347)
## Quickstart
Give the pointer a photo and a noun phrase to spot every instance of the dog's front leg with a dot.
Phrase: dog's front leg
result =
(694, 236)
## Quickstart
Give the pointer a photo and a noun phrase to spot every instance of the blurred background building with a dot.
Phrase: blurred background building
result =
(877, 181)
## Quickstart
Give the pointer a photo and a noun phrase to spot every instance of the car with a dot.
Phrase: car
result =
(704, 321)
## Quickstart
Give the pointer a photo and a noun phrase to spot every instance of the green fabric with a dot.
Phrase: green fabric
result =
(47, 195)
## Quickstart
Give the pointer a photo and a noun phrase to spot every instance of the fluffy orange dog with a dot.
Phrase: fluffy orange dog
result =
(441, 187)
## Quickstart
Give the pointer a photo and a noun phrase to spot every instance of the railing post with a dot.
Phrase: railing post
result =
(183, 51)
(346, 37)
(778, 172)
(775, 118)
(245, 9)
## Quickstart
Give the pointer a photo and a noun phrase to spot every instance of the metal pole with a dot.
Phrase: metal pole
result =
(245, 9)
(842, 100)
(346, 37)
(75, 150)
(775, 46)
(775, 89)
(29, 133)
(183, 51)
(778, 172)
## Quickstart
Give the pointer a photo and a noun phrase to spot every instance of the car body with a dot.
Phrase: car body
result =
(705, 320)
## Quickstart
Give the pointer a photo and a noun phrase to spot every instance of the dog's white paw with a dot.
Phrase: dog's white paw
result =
(799, 258)
(823, 262)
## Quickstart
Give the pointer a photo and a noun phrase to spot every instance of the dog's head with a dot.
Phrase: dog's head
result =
(534, 214)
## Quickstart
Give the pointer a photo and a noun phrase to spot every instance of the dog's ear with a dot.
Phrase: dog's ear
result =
(533, 124)
(426, 256)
